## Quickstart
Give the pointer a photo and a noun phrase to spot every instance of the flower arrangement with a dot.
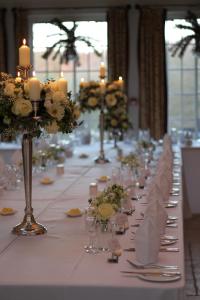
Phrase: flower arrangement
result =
(131, 160)
(56, 111)
(146, 145)
(115, 103)
(108, 202)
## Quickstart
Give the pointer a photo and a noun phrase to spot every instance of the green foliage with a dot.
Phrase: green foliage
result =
(68, 43)
(181, 46)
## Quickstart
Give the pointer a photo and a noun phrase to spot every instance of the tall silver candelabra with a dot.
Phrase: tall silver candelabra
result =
(28, 226)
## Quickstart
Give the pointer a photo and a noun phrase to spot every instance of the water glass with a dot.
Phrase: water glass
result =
(91, 228)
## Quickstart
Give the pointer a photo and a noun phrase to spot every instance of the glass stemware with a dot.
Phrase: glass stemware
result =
(91, 228)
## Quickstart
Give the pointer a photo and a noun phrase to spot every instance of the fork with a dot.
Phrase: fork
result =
(152, 266)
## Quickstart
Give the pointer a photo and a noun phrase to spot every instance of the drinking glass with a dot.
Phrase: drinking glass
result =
(91, 228)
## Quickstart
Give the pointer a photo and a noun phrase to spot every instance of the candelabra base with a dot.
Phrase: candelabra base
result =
(29, 227)
(101, 160)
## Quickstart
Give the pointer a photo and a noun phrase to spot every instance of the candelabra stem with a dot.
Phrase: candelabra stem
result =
(101, 159)
(28, 226)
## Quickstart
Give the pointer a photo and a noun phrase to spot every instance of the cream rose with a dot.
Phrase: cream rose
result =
(105, 211)
(22, 107)
(92, 101)
(59, 96)
(57, 111)
(9, 89)
(110, 100)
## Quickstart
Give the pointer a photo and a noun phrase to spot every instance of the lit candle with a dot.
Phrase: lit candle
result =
(120, 82)
(102, 70)
(82, 83)
(62, 84)
(34, 88)
(102, 85)
(24, 55)
(18, 79)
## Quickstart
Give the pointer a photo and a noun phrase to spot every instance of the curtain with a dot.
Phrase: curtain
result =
(21, 29)
(3, 42)
(118, 43)
(152, 72)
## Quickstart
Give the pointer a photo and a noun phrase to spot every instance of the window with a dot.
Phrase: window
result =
(45, 34)
(183, 82)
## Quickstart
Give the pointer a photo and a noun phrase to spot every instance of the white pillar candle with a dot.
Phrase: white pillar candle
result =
(18, 79)
(34, 88)
(120, 82)
(93, 189)
(102, 70)
(102, 85)
(62, 84)
(24, 55)
(82, 83)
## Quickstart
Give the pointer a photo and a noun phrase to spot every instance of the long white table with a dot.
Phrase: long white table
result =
(55, 266)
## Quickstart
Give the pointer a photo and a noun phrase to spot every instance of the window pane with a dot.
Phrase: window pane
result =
(183, 101)
(189, 81)
(188, 58)
(174, 82)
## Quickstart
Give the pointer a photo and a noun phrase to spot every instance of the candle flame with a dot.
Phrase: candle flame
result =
(24, 41)
(33, 74)
(102, 64)
(102, 81)
(82, 79)
(120, 77)
(61, 74)
(18, 74)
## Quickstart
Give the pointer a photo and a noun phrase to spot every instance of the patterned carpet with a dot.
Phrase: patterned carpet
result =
(192, 257)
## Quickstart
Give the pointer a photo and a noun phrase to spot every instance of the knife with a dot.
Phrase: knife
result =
(162, 249)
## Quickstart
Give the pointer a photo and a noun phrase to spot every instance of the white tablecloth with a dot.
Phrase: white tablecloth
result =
(55, 266)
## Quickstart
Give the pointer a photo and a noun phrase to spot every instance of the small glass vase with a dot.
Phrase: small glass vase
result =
(104, 233)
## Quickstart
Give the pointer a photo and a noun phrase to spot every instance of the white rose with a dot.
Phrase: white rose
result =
(9, 89)
(56, 111)
(47, 103)
(110, 100)
(92, 101)
(59, 96)
(22, 107)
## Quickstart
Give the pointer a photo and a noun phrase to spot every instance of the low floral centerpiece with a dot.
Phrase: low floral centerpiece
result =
(131, 160)
(108, 202)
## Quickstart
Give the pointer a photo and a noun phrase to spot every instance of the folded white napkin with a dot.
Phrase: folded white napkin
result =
(147, 241)
(163, 185)
(155, 208)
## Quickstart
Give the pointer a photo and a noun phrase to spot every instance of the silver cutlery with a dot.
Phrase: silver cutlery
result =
(173, 225)
(153, 272)
(162, 249)
(151, 266)
(169, 237)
